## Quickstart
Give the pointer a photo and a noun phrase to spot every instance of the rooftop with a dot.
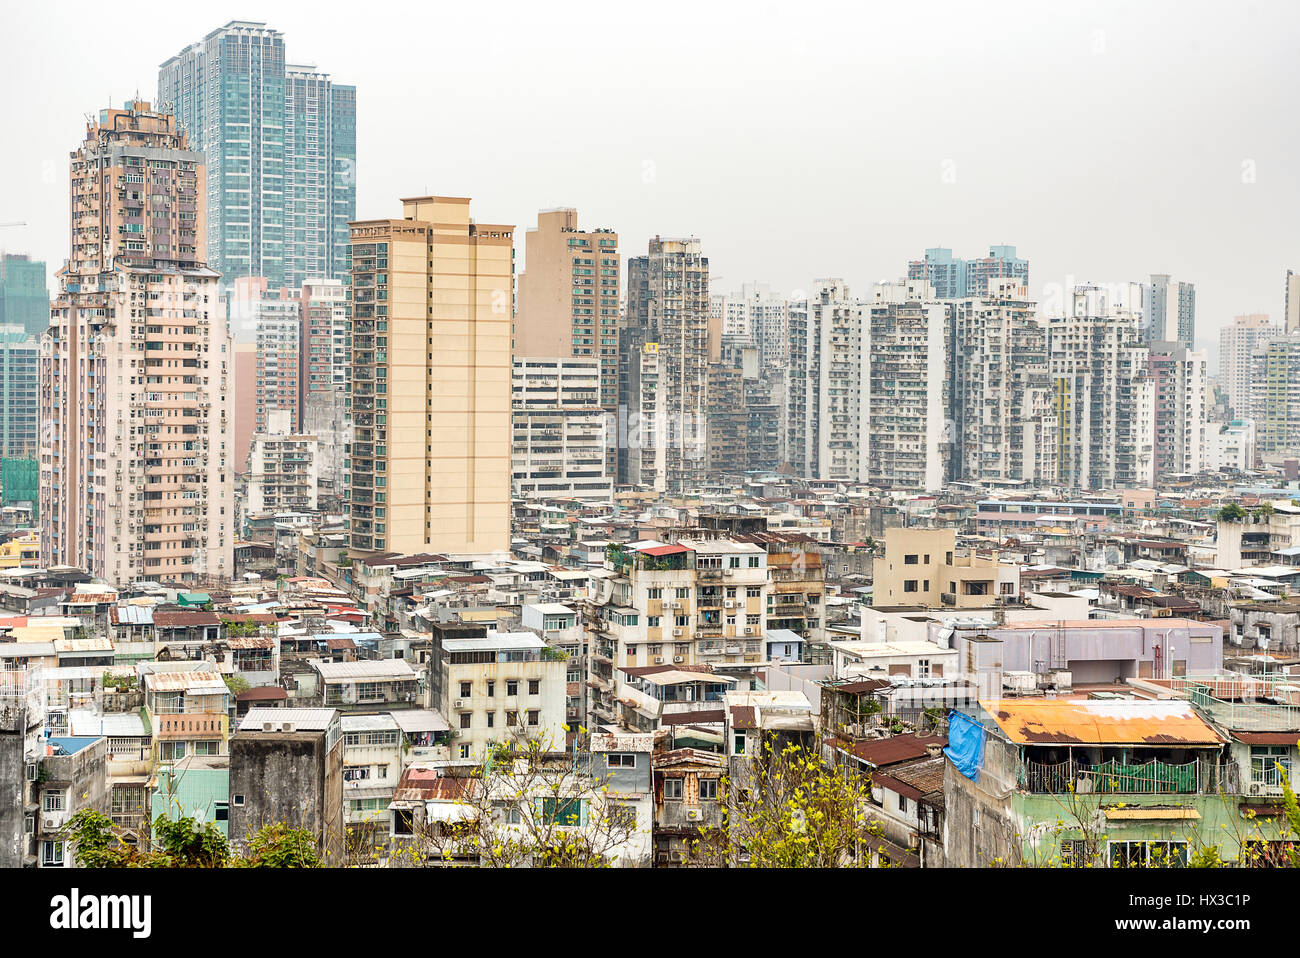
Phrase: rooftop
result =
(1100, 722)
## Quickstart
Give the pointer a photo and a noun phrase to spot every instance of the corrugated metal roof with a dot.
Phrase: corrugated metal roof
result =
(367, 669)
(1100, 722)
(420, 720)
(492, 643)
(16, 649)
(195, 681)
(185, 620)
(368, 723)
(131, 615)
(306, 720)
(664, 550)
(124, 724)
(893, 750)
(1268, 738)
(100, 644)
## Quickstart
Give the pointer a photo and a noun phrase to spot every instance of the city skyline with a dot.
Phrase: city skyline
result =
(1172, 202)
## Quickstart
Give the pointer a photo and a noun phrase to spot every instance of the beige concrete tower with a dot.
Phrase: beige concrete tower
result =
(136, 447)
(429, 465)
(568, 296)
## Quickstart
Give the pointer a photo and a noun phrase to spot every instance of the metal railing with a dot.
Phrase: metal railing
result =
(1198, 777)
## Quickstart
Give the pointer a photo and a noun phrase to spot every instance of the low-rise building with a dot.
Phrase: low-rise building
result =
(286, 766)
(496, 687)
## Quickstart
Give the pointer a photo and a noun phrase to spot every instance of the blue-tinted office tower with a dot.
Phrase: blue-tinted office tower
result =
(24, 295)
(280, 143)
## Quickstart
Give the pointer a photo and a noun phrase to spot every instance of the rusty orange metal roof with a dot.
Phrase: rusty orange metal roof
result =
(1091, 722)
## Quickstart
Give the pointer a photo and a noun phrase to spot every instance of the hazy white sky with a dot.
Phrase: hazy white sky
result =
(1106, 141)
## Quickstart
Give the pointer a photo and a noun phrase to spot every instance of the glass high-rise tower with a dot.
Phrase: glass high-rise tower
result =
(280, 143)
(24, 296)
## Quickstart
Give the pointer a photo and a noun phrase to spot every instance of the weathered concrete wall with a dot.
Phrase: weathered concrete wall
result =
(286, 778)
(12, 785)
(978, 822)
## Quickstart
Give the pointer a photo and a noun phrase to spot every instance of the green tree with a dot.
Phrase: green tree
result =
(1232, 513)
(280, 846)
(186, 843)
(788, 809)
(237, 684)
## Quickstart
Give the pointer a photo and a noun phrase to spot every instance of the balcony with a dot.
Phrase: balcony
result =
(1198, 777)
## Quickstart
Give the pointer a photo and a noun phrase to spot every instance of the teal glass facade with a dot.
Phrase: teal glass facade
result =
(280, 142)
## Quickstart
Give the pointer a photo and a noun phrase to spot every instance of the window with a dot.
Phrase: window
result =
(534, 717)
(683, 593)
(902, 803)
(512, 687)
(655, 593)
(620, 760)
(534, 686)
(708, 789)
(654, 621)
(753, 562)
(922, 668)
(54, 801)
(672, 788)
(562, 811)
(1007, 588)
(909, 560)
(1147, 854)
(171, 751)
(1074, 853)
(512, 719)
(52, 854)
(622, 815)
(754, 592)
(740, 743)
(926, 560)
(1264, 762)
(221, 812)
(466, 689)
(237, 800)
(491, 719)
(733, 562)
(909, 585)
(466, 718)
(464, 751)
(491, 689)
(508, 814)
(356, 773)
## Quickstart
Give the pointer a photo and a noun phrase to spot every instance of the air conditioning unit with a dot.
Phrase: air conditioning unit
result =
(729, 604)
(659, 660)
(728, 571)
(458, 703)
(677, 631)
(749, 631)
(678, 658)
(49, 822)
(693, 814)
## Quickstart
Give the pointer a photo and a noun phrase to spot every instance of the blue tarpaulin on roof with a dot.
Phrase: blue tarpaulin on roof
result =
(965, 745)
